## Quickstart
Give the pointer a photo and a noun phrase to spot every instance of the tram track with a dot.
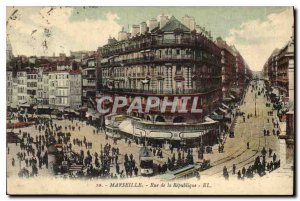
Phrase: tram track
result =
(236, 155)
(248, 158)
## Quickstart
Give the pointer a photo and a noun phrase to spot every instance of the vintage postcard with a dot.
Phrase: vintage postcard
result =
(150, 100)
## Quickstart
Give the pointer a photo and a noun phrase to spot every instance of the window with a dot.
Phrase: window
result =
(178, 51)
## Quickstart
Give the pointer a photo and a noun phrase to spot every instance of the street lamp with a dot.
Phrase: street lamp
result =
(200, 154)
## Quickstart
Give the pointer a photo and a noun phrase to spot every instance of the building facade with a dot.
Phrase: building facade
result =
(279, 76)
(228, 63)
(9, 87)
(65, 89)
(45, 89)
(170, 60)
(279, 72)
(32, 88)
(89, 80)
(22, 87)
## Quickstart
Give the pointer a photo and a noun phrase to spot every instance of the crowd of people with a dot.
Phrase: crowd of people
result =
(108, 162)
(260, 165)
(34, 153)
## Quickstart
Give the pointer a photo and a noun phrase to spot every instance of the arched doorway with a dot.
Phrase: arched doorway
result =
(160, 119)
(179, 119)
(148, 118)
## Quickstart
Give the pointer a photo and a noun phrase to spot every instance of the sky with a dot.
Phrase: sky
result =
(255, 31)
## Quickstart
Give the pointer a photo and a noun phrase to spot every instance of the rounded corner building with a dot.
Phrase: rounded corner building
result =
(163, 57)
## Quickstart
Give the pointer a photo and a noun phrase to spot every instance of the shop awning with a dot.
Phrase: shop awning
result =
(208, 119)
(82, 109)
(145, 81)
(71, 110)
(217, 117)
(224, 105)
(43, 107)
(222, 110)
(192, 134)
(159, 135)
(227, 99)
(24, 105)
(61, 109)
(113, 135)
(13, 106)
(126, 127)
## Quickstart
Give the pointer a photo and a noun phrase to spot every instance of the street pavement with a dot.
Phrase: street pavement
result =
(235, 149)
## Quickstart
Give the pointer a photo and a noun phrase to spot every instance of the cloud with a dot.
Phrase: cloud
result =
(256, 39)
(60, 34)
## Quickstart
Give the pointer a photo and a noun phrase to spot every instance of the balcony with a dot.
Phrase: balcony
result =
(91, 77)
(167, 127)
(148, 45)
(160, 92)
(152, 59)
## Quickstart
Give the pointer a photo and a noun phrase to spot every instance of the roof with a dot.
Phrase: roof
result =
(154, 30)
(174, 24)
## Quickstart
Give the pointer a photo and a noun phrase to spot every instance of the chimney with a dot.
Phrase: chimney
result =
(122, 35)
(163, 19)
(188, 21)
(152, 23)
(135, 30)
(143, 28)
(198, 29)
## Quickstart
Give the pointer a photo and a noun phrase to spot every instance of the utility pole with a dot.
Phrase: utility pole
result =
(201, 147)
(255, 105)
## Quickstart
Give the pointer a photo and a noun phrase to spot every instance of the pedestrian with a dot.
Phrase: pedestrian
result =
(278, 132)
(233, 169)
(239, 175)
(225, 173)
(248, 145)
(243, 171)
(274, 157)
(270, 152)
(268, 166)
(271, 166)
